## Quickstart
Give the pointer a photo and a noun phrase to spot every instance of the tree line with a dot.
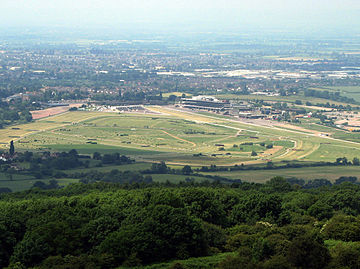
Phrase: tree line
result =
(105, 225)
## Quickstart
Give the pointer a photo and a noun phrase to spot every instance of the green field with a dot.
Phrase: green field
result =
(26, 183)
(347, 91)
(178, 137)
(261, 176)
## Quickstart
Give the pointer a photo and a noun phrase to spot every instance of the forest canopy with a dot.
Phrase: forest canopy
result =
(107, 225)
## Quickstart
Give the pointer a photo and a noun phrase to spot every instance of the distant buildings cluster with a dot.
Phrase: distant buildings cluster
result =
(205, 103)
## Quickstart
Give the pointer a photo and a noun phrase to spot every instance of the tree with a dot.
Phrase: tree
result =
(73, 152)
(279, 184)
(270, 165)
(345, 256)
(342, 161)
(321, 210)
(187, 170)
(172, 98)
(40, 185)
(12, 148)
(28, 117)
(308, 252)
(342, 227)
(96, 156)
(156, 233)
(356, 161)
(253, 153)
(160, 168)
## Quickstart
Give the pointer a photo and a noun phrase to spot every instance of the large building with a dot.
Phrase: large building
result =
(205, 102)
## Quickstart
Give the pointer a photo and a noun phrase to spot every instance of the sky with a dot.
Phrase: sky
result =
(196, 14)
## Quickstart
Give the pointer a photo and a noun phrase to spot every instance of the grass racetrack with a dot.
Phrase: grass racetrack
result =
(177, 137)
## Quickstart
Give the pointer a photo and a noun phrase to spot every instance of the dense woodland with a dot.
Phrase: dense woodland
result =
(107, 225)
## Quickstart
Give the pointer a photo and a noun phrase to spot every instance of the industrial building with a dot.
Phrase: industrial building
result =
(205, 102)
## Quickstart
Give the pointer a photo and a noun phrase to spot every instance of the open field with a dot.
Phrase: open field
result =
(26, 183)
(178, 137)
(348, 91)
(351, 92)
(261, 176)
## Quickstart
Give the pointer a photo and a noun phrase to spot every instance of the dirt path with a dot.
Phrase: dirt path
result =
(178, 138)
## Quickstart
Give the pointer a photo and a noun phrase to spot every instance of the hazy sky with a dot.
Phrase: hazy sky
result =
(202, 13)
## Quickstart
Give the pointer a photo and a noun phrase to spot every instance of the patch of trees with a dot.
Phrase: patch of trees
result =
(162, 168)
(286, 164)
(51, 165)
(53, 184)
(328, 105)
(114, 176)
(317, 183)
(105, 225)
(114, 158)
(14, 112)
